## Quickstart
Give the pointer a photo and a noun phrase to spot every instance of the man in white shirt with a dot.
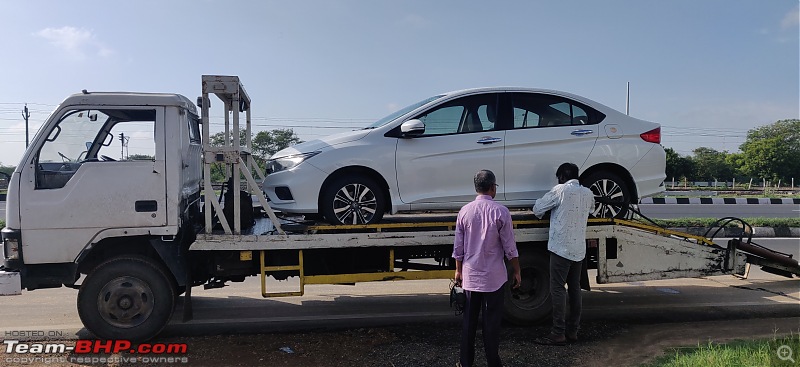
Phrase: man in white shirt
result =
(571, 204)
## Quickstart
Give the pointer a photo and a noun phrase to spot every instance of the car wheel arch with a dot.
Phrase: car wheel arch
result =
(613, 168)
(357, 170)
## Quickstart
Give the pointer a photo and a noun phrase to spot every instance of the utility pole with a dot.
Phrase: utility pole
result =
(122, 146)
(26, 115)
(628, 100)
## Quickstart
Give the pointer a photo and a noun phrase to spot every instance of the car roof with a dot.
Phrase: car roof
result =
(594, 104)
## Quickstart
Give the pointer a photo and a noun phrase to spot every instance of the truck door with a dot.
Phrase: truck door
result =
(94, 170)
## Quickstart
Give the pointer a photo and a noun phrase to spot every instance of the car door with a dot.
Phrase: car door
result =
(548, 131)
(99, 169)
(436, 168)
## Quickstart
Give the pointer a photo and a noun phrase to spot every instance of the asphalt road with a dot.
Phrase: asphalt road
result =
(240, 308)
(669, 211)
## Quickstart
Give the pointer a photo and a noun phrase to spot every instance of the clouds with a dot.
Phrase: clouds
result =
(792, 19)
(78, 43)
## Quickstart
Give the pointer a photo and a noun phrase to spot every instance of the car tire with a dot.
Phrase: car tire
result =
(353, 200)
(530, 304)
(128, 297)
(611, 194)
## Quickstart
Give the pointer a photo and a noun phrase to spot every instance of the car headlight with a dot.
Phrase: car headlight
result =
(288, 162)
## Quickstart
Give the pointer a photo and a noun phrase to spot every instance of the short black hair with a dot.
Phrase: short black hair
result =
(484, 180)
(567, 171)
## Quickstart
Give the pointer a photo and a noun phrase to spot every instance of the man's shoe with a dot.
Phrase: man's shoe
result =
(571, 337)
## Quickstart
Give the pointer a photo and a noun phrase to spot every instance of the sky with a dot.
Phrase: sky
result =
(707, 71)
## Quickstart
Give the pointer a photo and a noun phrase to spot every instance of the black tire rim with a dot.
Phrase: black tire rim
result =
(531, 293)
(355, 203)
(125, 302)
(609, 198)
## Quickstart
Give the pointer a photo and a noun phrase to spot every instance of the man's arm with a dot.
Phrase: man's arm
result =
(458, 249)
(517, 272)
(547, 202)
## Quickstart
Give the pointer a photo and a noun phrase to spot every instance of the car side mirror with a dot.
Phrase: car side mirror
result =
(412, 128)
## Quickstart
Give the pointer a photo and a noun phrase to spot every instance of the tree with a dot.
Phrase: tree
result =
(711, 164)
(773, 151)
(678, 166)
(265, 144)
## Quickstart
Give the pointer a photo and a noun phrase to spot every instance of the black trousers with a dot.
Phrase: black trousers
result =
(564, 271)
(491, 305)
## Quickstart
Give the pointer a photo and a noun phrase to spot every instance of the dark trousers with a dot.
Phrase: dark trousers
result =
(491, 304)
(564, 271)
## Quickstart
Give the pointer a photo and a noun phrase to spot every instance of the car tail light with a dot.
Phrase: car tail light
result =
(652, 136)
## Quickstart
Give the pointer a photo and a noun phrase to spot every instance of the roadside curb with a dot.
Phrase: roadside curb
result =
(737, 201)
(758, 232)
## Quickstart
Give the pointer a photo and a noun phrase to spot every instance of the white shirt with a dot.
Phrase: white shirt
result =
(571, 204)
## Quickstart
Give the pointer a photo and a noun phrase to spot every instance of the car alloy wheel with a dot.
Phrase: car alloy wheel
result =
(611, 195)
(354, 204)
(352, 199)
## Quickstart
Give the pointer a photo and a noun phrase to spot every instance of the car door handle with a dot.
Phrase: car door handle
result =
(489, 140)
(581, 132)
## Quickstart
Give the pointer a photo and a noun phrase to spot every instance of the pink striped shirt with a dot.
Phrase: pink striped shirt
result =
(484, 239)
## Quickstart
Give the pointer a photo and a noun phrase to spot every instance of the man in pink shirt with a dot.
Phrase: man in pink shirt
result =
(484, 239)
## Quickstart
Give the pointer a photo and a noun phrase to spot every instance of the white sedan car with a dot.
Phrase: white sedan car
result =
(424, 156)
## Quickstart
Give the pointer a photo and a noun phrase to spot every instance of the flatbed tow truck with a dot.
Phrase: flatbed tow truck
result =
(132, 236)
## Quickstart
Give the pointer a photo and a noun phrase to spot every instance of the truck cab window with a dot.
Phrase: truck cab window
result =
(90, 135)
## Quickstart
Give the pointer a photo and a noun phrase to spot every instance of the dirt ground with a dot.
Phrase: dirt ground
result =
(436, 344)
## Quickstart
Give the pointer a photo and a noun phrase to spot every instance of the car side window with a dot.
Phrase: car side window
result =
(539, 110)
(464, 115)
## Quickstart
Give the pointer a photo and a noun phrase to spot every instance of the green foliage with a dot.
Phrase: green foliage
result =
(707, 222)
(678, 166)
(7, 169)
(710, 164)
(737, 353)
(2, 223)
(773, 151)
(265, 144)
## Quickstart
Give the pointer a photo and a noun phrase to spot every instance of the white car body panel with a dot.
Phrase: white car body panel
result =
(532, 156)
(422, 179)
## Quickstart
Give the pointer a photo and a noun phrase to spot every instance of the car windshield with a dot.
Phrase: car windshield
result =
(394, 115)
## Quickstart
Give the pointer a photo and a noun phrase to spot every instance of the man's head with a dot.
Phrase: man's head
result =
(566, 172)
(485, 183)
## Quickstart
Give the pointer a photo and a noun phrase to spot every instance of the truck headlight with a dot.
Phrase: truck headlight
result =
(11, 248)
(288, 162)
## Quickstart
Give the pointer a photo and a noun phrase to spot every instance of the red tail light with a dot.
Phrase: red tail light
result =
(652, 136)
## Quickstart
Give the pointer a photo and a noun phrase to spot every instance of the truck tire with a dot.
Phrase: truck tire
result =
(530, 304)
(128, 297)
(353, 199)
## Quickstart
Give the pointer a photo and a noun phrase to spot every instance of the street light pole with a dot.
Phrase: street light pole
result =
(26, 115)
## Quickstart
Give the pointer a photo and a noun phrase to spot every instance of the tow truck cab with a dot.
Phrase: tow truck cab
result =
(99, 178)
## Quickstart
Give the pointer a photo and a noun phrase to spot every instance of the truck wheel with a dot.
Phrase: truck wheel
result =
(530, 304)
(353, 200)
(611, 195)
(126, 298)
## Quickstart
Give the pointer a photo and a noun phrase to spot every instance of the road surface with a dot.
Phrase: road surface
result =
(240, 308)
(669, 211)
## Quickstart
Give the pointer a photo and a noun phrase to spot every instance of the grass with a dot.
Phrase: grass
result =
(738, 353)
(707, 222)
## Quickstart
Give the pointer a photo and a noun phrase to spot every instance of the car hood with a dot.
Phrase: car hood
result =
(322, 144)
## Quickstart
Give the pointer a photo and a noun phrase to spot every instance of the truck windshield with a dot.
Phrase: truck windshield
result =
(394, 115)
